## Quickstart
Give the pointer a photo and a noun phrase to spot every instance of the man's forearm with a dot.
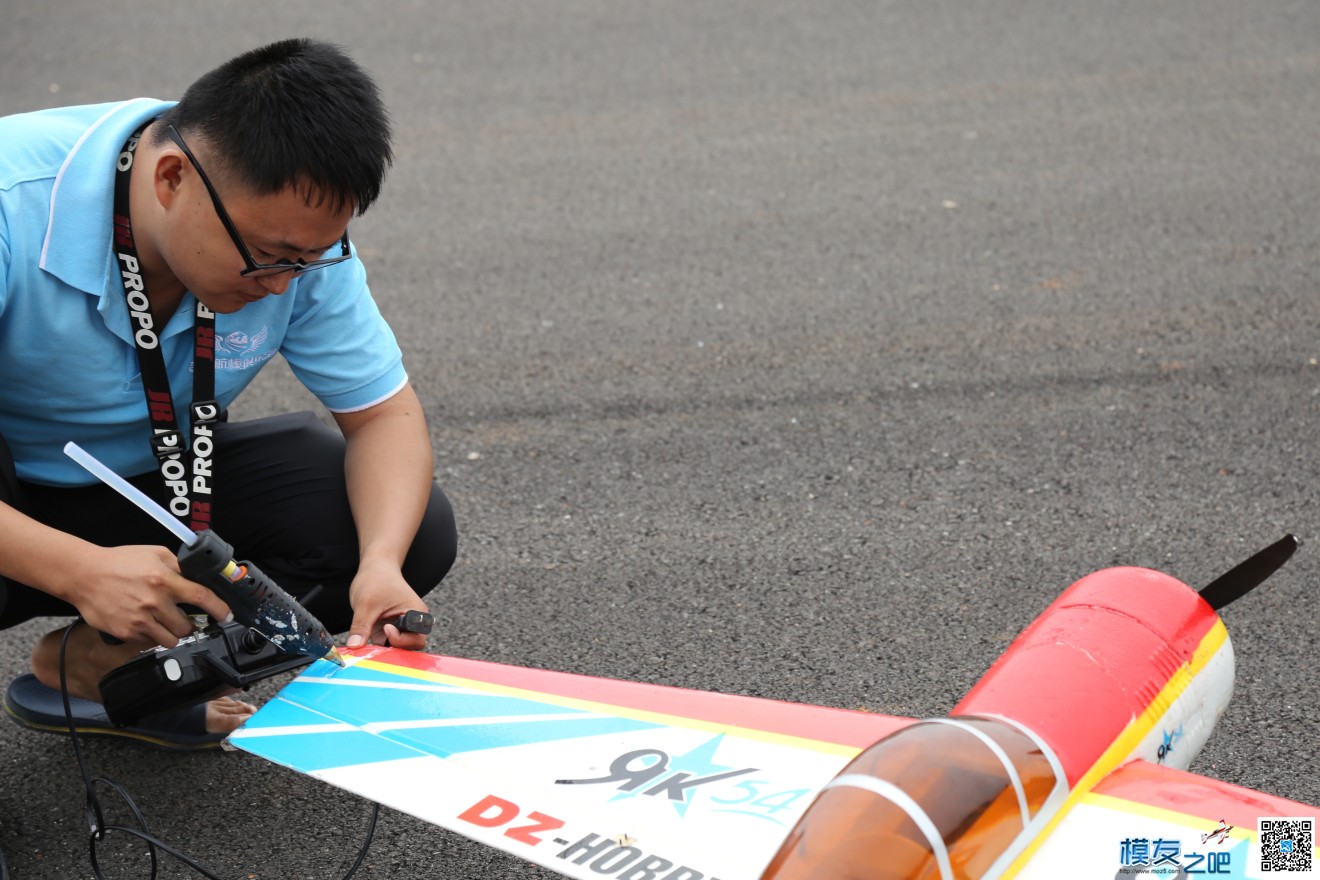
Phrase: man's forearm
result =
(37, 555)
(389, 469)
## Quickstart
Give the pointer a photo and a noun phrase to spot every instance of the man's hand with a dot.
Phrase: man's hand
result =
(379, 594)
(133, 593)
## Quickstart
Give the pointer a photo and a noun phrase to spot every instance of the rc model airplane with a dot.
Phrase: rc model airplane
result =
(1068, 759)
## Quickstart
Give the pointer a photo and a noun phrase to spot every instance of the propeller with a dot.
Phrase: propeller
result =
(1246, 576)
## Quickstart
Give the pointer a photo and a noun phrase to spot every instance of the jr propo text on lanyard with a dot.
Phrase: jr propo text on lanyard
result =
(186, 469)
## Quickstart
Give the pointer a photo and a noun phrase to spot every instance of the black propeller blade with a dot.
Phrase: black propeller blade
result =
(1246, 576)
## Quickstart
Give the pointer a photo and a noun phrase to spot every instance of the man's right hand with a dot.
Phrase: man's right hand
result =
(133, 593)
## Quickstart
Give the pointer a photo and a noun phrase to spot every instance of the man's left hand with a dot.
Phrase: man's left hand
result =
(378, 597)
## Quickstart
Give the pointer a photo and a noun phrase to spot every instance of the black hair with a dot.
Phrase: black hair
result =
(297, 113)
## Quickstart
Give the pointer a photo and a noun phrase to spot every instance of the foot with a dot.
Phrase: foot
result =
(88, 658)
(225, 714)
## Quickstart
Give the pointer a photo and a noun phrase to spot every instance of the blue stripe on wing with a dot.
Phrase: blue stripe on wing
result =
(359, 702)
(406, 718)
(281, 713)
(310, 752)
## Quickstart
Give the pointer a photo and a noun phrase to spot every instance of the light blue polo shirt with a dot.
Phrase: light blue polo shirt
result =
(68, 368)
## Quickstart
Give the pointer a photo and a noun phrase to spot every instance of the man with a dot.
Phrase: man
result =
(154, 257)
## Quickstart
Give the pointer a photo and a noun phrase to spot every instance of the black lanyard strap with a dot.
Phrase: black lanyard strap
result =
(188, 471)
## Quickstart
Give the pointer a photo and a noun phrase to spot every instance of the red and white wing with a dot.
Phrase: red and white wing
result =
(588, 777)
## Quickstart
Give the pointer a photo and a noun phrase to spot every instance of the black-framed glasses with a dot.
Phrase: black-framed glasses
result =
(255, 269)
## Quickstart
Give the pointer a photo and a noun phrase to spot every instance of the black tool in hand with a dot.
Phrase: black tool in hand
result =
(270, 632)
(413, 622)
(255, 600)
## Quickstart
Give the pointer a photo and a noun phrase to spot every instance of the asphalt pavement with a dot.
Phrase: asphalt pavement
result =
(804, 350)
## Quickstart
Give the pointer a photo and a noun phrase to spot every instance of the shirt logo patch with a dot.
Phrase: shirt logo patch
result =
(240, 351)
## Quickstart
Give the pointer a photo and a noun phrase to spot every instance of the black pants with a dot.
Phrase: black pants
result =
(279, 497)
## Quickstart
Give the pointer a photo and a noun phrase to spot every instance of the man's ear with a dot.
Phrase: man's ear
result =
(168, 175)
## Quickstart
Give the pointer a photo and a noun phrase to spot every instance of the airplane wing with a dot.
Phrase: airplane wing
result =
(1150, 820)
(585, 776)
(594, 777)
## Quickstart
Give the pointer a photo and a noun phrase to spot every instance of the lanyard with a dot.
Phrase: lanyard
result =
(187, 472)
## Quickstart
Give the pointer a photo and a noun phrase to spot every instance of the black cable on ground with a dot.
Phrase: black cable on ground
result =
(95, 816)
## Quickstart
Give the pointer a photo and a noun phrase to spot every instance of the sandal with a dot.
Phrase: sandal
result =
(37, 707)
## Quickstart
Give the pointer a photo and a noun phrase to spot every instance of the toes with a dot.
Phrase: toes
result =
(229, 704)
(225, 714)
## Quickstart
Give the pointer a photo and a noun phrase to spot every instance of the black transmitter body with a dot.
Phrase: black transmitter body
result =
(222, 658)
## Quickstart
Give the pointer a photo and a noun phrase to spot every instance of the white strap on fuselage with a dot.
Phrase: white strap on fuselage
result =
(904, 801)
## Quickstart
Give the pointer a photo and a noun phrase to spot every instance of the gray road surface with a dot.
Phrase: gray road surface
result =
(805, 350)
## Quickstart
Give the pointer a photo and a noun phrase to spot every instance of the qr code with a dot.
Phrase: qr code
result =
(1286, 845)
